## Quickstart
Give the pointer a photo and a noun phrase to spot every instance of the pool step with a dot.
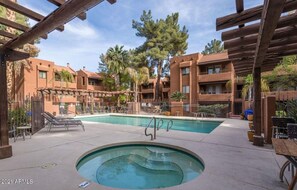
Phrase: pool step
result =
(150, 166)
(154, 164)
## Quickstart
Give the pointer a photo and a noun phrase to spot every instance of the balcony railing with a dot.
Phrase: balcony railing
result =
(222, 92)
(221, 71)
(223, 76)
(215, 97)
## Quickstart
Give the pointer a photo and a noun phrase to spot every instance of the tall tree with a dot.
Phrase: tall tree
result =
(248, 86)
(116, 60)
(164, 38)
(284, 75)
(215, 46)
(138, 76)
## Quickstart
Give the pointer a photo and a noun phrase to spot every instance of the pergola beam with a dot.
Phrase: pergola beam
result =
(254, 28)
(17, 26)
(7, 34)
(25, 11)
(271, 51)
(252, 39)
(60, 16)
(81, 16)
(13, 55)
(248, 15)
(273, 44)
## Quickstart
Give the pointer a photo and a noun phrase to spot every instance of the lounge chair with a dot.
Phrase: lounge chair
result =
(58, 118)
(62, 122)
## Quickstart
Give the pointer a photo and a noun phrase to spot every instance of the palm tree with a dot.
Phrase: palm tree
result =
(248, 86)
(215, 46)
(177, 96)
(138, 76)
(116, 60)
(64, 76)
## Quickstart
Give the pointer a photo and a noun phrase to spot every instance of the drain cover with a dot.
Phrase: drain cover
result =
(48, 165)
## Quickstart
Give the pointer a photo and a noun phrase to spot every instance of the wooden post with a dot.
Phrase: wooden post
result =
(258, 139)
(269, 111)
(5, 148)
(92, 104)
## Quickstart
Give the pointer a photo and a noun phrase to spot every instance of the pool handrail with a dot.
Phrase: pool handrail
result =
(149, 124)
(170, 121)
(160, 122)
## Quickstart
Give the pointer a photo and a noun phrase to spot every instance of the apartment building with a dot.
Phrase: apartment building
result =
(43, 74)
(205, 79)
(148, 91)
(88, 80)
(38, 74)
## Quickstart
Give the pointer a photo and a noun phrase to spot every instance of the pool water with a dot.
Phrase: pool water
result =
(139, 167)
(198, 126)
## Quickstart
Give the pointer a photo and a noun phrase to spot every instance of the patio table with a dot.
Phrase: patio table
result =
(23, 130)
(287, 148)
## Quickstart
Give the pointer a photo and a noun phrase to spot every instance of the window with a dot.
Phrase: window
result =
(186, 89)
(57, 77)
(217, 69)
(42, 74)
(83, 81)
(214, 69)
(187, 107)
(185, 71)
(209, 70)
(91, 82)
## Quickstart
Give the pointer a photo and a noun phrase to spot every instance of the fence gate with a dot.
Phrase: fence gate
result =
(37, 107)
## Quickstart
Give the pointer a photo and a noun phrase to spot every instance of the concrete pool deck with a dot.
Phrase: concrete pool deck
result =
(47, 161)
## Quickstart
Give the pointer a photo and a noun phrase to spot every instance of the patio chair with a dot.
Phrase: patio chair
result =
(279, 129)
(12, 130)
(64, 122)
(292, 131)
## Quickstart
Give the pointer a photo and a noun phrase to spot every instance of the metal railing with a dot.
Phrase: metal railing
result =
(156, 127)
(153, 136)
(160, 124)
(169, 126)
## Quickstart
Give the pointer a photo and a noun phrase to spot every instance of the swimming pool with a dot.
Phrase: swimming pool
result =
(198, 126)
(139, 166)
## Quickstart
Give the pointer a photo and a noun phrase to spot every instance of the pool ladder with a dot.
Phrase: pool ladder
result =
(157, 126)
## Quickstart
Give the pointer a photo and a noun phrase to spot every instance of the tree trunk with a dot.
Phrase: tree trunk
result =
(10, 15)
(159, 73)
(135, 93)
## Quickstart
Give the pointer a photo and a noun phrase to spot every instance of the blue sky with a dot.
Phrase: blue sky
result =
(82, 42)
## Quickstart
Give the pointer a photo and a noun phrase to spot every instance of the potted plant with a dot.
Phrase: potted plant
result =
(250, 117)
(178, 96)
(250, 135)
(242, 116)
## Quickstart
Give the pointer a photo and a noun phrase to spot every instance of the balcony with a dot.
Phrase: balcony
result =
(147, 90)
(214, 97)
(147, 100)
(165, 89)
(59, 84)
(223, 76)
(95, 87)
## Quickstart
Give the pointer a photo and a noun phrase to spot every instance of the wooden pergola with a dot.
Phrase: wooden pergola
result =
(259, 46)
(9, 43)
(80, 92)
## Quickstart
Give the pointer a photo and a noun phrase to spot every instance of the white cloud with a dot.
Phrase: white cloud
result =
(82, 30)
